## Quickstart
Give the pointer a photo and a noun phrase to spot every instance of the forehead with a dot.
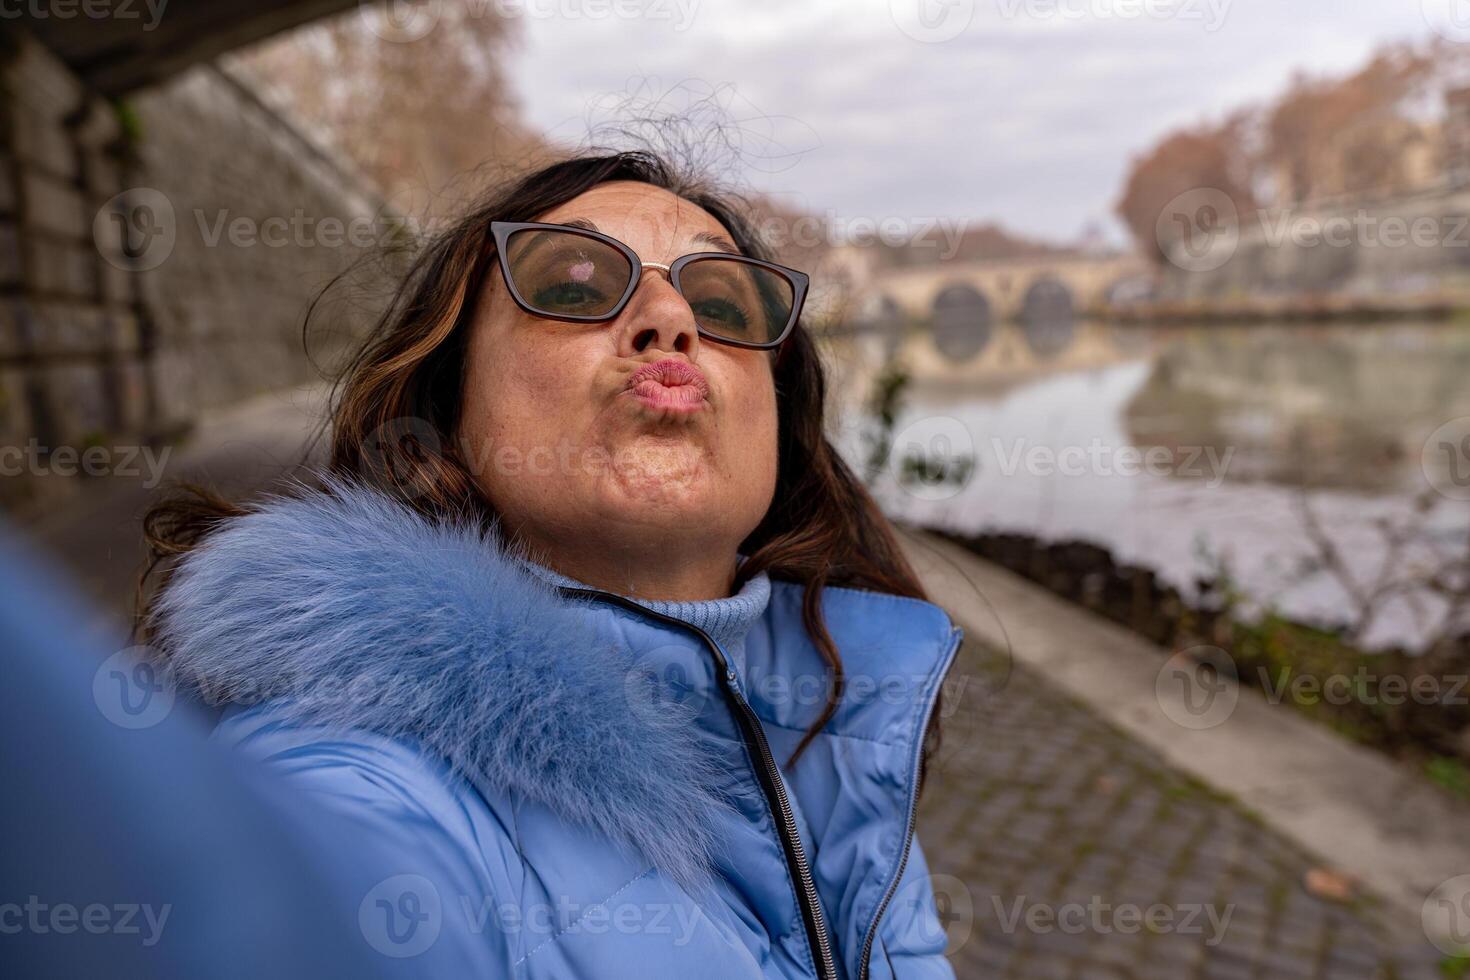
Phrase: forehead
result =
(651, 220)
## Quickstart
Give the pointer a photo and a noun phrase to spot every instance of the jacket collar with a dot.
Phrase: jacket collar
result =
(726, 620)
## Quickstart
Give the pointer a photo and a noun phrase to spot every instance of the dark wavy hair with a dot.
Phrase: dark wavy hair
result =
(822, 529)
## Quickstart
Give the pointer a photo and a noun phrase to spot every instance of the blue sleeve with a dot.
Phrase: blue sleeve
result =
(912, 938)
(428, 866)
(117, 804)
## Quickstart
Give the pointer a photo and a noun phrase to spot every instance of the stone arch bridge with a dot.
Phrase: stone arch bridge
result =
(1011, 289)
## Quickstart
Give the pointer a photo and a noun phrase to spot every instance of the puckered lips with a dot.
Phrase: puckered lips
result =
(670, 385)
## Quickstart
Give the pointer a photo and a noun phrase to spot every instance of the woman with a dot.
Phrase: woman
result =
(609, 662)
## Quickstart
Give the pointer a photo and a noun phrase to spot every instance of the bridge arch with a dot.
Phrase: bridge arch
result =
(1048, 316)
(961, 321)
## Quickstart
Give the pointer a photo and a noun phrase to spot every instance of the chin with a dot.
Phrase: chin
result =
(645, 498)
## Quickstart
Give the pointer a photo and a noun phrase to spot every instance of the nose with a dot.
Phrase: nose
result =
(657, 317)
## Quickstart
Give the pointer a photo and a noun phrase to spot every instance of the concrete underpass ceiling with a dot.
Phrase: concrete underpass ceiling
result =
(115, 54)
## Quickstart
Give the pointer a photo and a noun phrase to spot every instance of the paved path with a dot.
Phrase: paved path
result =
(1064, 789)
(1040, 808)
(97, 536)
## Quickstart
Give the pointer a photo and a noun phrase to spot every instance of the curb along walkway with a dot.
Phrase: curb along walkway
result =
(1063, 787)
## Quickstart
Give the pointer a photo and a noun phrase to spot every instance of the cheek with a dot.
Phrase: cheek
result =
(752, 427)
(521, 384)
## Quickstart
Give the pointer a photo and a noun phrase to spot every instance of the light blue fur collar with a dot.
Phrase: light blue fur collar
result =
(438, 636)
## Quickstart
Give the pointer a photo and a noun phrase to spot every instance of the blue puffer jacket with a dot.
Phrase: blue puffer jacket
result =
(530, 780)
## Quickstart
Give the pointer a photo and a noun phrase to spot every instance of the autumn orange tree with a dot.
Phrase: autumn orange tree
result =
(1203, 158)
(419, 115)
(1352, 134)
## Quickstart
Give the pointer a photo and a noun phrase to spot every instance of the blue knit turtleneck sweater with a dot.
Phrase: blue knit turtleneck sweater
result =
(726, 620)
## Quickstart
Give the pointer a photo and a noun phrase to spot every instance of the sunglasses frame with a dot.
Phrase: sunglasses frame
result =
(502, 231)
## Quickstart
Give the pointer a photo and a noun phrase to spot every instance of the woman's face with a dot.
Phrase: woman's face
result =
(574, 450)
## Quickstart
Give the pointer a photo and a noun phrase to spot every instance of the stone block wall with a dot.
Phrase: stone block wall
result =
(157, 258)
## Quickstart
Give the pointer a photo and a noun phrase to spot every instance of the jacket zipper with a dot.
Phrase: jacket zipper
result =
(909, 826)
(775, 791)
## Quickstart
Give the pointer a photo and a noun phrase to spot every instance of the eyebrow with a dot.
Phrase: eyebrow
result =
(718, 242)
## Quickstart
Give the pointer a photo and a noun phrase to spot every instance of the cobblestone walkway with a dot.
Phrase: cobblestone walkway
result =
(1050, 834)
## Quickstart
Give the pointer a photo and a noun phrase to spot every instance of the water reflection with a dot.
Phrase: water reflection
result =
(1182, 446)
(1345, 407)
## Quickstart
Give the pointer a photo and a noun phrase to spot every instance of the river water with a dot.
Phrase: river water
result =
(1187, 449)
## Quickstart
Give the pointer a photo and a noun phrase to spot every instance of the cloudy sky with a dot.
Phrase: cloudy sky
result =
(1023, 111)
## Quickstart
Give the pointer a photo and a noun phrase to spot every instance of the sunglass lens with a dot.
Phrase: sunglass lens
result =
(737, 300)
(566, 274)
